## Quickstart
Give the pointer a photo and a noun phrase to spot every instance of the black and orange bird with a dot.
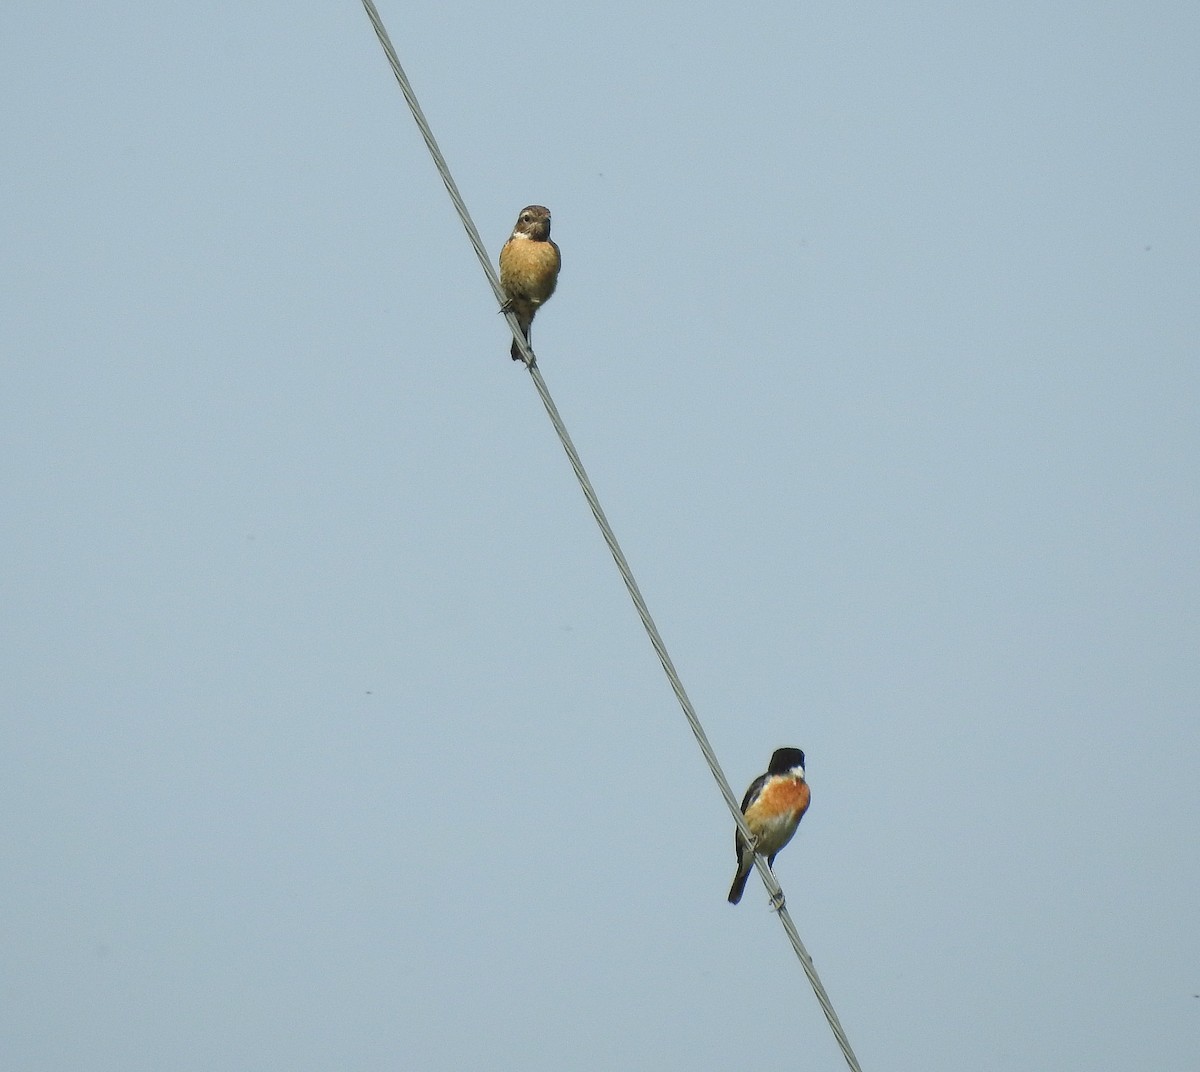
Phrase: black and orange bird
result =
(529, 264)
(773, 807)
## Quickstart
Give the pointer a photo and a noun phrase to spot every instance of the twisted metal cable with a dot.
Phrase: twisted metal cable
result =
(589, 493)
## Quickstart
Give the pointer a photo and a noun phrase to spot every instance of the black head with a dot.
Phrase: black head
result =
(784, 760)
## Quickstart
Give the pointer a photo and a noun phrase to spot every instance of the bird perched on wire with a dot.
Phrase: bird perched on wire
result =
(529, 264)
(773, 807)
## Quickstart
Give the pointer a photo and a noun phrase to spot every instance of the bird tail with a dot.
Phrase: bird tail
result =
(525, 320)
(739, 882)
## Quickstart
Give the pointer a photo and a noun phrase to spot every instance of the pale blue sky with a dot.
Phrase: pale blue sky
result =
(330, 739)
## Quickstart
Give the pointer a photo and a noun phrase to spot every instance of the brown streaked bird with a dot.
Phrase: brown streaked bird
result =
(773, 806)
(529, 264)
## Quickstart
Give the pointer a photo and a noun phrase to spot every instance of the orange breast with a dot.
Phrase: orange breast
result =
(775, 814)
(529, 269)
(783, 795)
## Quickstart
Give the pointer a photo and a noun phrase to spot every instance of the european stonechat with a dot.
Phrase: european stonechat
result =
(773, 806)
(529, 264)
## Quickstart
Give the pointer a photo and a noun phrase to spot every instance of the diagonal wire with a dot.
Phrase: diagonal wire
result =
(460, 206)
(660, 649)
(635, 594)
